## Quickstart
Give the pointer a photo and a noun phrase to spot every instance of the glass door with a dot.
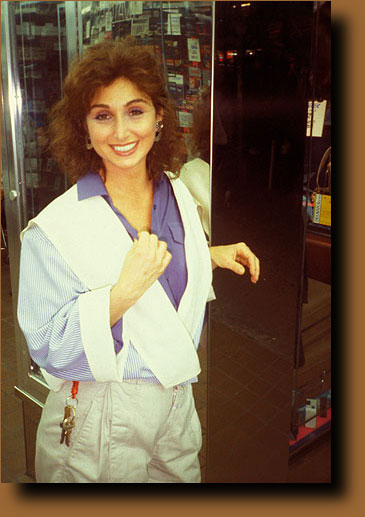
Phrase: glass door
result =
(36, 47)
(262, 65)
(311, 394)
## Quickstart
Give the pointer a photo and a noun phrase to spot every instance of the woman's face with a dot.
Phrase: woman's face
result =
(122, 126)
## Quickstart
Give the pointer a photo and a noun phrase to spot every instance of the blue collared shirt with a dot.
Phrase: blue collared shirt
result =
(49, 290)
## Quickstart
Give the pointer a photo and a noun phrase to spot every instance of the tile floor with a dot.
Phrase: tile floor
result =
(311, 465)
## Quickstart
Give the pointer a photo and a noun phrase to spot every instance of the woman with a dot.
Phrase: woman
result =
(114, 279)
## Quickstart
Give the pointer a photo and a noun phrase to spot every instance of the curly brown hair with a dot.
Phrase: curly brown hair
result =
(101, 65)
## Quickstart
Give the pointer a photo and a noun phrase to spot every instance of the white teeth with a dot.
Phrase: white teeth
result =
(124, 148)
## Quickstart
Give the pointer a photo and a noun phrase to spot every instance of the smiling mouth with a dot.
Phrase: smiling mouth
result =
(124, 148)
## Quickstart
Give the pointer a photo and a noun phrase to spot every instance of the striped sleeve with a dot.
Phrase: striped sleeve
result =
(48, 308)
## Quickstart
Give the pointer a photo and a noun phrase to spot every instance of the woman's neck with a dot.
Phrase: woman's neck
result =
(128, 184)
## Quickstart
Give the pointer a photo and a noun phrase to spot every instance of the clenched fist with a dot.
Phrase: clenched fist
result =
(143, 265)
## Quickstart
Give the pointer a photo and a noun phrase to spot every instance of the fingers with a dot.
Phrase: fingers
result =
(144, 237)
(163, 255)
(257, 272)
(245, 255)
(153, 242)
(235, 263)
(155, 249)
(254, 266)
(166, 260)
(161, 246)
(237, 268)
(148, 241)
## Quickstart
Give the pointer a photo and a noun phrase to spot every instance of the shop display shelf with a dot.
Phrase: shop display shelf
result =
(309, 429)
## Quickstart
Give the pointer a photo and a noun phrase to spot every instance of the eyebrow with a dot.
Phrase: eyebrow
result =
(126, 104)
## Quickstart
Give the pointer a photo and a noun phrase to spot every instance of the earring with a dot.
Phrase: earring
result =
(158, 134)
(89, 145)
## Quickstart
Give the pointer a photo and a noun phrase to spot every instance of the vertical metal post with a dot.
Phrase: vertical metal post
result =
(71, 20)
(71, 30)
(60, 49)
(59, 7)
(163, 45)
(12, 160)
(211, 119)
(12, 128)
(211, 230)
(80, 28)
(313, 64)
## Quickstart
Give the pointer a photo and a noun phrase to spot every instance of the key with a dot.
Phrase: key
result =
(67, 424)
(66, 432)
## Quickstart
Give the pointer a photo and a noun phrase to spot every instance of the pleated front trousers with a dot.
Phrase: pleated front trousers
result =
(129, 432)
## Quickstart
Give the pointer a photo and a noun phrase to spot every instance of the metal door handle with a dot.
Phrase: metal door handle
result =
(13, 194)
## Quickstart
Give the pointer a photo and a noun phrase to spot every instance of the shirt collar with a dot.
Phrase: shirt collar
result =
(90, 185)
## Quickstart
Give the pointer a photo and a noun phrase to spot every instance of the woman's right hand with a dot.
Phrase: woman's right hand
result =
(143, 265)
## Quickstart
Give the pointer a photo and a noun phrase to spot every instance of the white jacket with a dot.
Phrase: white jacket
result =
(196, 176)
(94, 243)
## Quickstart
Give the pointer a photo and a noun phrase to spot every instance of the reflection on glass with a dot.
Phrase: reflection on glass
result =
(41, 44)
(42, 64)
(196, 172)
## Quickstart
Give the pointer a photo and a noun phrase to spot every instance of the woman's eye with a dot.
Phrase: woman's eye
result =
(135, 112)
(102, 116)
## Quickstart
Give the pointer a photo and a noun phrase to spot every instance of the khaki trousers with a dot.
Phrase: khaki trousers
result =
(129, 432)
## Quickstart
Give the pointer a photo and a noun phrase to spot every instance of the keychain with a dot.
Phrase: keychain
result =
(68, 422)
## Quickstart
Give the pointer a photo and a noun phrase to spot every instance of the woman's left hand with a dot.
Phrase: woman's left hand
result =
(236, 257)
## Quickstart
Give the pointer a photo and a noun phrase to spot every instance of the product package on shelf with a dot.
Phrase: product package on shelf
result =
(322, 209)
(310, 419)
